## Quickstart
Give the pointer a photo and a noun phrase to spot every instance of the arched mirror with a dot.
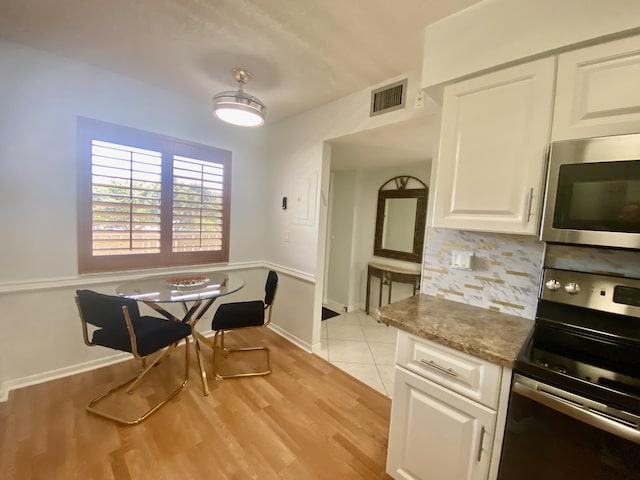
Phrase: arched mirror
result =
(400, 219)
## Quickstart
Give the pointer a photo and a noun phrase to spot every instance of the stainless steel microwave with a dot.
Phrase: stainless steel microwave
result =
(593, 192)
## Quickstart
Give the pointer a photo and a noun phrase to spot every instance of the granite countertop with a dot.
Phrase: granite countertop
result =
(492, 336)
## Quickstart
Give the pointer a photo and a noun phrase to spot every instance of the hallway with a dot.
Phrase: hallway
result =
(356, 343)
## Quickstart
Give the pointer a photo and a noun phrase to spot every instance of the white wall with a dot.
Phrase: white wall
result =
(340, 239)
(353, 230)
(41, 96)
(296, 150)
(495, 32)
(299, 155)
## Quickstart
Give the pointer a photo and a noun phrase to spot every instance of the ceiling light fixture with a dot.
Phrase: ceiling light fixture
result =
(238, 107)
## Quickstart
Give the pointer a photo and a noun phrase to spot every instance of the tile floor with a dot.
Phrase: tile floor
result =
(356, 343)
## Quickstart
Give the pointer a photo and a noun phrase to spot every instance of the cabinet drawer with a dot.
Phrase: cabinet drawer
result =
(472, 377)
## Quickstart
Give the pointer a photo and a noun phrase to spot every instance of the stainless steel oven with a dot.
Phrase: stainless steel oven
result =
(574, 409)
(593, 192)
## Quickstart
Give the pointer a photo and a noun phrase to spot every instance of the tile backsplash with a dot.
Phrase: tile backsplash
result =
(504, 276)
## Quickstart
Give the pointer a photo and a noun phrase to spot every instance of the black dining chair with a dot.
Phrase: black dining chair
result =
(120, 326)
(236, 315)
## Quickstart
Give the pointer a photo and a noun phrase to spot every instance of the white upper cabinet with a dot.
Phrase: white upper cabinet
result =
(598, 91)
(493, 148)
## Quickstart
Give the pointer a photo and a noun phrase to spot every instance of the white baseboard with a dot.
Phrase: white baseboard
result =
(292, 338)
(355, 308)
(341, 308)
(29, 380)
(317, 348)
(335, 306)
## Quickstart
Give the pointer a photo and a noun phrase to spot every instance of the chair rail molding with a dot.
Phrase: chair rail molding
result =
(97, 279)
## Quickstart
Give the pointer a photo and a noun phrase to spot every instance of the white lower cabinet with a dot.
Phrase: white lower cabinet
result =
(437, 433)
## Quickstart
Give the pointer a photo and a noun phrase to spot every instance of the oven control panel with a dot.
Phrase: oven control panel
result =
(606, 293)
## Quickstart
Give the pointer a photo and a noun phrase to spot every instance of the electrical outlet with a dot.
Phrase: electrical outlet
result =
(419, 102)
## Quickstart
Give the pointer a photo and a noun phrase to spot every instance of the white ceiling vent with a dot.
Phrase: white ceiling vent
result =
(388, 98)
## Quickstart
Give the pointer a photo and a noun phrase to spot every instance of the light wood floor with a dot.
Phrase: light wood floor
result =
(307, 420)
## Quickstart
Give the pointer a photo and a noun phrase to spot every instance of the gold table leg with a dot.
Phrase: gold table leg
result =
(203, 373)
(191, 316)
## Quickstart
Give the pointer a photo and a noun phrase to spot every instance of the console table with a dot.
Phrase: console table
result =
(387, 275)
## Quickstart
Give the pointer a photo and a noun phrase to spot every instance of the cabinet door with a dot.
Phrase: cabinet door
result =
(437, 434)
(598, 91)
(493, 150)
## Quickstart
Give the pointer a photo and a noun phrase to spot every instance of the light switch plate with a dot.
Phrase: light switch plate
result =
(462, 260)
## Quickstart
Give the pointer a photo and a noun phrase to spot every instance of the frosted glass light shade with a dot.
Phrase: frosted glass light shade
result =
(239, 108)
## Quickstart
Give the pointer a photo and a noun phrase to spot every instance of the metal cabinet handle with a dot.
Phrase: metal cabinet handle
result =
(432, 364)
(528, 200)
(482, 432)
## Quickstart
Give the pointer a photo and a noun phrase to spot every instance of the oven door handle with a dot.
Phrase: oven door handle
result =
(619, 423)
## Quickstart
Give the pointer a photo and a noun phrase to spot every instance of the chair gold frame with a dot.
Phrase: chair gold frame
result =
(217, 343)
(134, 381)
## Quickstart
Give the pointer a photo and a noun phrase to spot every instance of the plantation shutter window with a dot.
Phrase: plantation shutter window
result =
(126, 193)
(198, 190)
(146, 200)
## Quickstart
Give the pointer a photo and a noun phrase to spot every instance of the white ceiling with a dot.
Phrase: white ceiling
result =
(302, 53)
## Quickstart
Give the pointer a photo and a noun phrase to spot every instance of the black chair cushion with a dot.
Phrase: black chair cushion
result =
(102, 310)
(152, 334)
(238, 315)
(270, 287)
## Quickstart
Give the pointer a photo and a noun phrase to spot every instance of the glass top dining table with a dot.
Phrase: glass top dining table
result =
(181, 288)
(195, 291)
